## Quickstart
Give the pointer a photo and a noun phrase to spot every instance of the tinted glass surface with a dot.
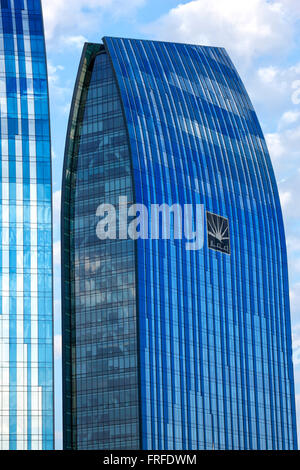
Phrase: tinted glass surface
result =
(26, 335)
(104, 277)
(215, 337)
(212, 327)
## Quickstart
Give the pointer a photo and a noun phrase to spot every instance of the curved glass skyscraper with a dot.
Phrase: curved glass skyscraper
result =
(26, 353)
(164, 347)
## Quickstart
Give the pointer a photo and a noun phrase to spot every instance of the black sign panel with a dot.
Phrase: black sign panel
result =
(218, 235)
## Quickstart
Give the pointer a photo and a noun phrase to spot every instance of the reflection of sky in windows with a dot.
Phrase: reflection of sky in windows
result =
(106, 363)
(199, 396)
(211, 327)
(26, 369)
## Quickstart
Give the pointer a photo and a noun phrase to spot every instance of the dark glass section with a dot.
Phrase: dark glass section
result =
(103, 305)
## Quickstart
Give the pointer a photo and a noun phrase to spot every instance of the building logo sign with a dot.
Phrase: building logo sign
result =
(218, 235)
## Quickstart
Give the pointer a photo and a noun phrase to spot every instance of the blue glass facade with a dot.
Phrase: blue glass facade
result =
(26, 333)
(213, 335)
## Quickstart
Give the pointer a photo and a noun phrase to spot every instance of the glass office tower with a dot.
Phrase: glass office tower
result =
(26, 353)
(165, 348)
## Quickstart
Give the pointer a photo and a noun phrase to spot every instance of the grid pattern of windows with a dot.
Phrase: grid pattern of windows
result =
(215, 338)
(214, 363)
(26, 336)
(103, 288)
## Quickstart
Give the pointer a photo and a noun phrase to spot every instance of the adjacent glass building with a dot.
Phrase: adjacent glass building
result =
(165, 348)
(26, 353)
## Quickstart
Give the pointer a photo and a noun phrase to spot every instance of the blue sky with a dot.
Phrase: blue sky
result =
(263, 39)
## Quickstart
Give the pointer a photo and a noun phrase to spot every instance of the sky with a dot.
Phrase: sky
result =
(262, 38)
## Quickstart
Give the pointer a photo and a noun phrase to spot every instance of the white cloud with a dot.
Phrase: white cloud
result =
(62, 19)
(56, 253)
(285, 198)
(296, 92)
(56, 203)
(296, 352)
(57, 347)
(57, 305)
(275, 145)
(284, 147)
(289, 117)
(274, 88)
(268, 74)
(58, 440)
(292, 7)
(296, 344)
(295, 313)
(294, 266)
(289, 194)
(53, 72)
(295, 303)
(246, 29)
(298, 414)
(75, 41)
(59, 94)
(293, 244)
